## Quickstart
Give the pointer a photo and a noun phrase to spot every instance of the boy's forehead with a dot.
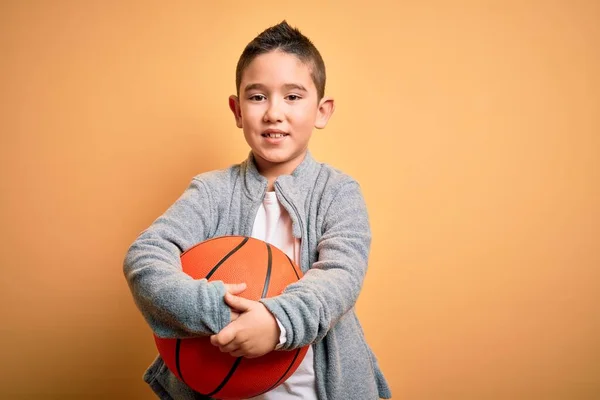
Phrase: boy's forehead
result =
(279, 69)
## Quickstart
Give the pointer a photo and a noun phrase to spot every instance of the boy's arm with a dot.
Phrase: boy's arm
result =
(309, 308)
(173, 303)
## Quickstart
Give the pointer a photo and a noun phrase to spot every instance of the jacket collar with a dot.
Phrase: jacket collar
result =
(299, 182)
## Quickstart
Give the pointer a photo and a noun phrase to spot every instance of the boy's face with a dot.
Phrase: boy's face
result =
(277, 110)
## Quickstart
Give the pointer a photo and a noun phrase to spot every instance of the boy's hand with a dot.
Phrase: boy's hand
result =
(235, 288)
(254, 333)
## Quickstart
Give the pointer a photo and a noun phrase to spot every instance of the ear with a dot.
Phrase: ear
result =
(234, 106)
(326, 109)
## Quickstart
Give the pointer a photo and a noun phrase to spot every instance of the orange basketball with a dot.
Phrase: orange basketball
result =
(202, 366)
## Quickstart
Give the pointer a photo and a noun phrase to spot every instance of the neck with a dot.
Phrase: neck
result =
(271, 184)
(272, 171)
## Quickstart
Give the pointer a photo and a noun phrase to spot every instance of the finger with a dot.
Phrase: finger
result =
(224, 337)
(239, 303)
(234, 316)
(240, 352)
(235, 288)
(230, 347)
(218, 340)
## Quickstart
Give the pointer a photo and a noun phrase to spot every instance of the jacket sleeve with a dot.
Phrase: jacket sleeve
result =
(174, 304)
(309, 308)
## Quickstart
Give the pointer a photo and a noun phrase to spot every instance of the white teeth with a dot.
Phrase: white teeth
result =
(275, 135)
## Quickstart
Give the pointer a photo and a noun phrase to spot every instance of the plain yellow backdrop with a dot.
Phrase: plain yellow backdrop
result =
(472, 126)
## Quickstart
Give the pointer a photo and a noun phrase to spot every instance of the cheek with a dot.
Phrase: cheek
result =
(252, 115)
(304, 117)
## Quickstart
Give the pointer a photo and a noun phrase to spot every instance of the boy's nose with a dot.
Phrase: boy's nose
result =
(273, 113)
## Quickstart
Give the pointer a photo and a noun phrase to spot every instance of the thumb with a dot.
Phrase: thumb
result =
(235, 288)
(239, 303)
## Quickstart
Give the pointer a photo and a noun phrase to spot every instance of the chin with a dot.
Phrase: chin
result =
(280, 159)
(277, 160)
(275, 157)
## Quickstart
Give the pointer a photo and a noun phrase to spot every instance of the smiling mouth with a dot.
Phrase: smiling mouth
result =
(274, 135)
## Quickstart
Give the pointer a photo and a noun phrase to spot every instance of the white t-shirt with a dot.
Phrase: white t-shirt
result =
(274, 226)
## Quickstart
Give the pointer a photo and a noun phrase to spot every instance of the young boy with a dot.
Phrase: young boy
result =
(281, 195)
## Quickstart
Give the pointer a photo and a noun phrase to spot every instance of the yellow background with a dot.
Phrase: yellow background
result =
(473, 128)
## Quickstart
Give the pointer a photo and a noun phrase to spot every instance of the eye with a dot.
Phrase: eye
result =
(257, 97)
(293, 97)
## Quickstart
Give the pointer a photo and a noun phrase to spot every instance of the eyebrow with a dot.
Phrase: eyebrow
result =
(287, 86)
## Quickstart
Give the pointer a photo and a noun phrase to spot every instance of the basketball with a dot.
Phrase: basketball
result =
(267, 271)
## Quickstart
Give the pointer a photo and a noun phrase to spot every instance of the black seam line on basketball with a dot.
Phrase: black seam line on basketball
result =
(268, 277)
(284, 374)
(229, 375)
(239, 246)
(177, 346)
(292, 265)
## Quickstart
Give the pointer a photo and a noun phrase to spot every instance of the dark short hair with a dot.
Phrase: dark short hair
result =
(283, 37)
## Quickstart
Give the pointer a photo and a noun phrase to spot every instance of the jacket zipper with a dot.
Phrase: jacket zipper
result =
(255, 208)
(300, 224)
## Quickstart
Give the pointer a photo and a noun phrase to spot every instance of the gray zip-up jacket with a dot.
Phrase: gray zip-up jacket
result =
(329, 215)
